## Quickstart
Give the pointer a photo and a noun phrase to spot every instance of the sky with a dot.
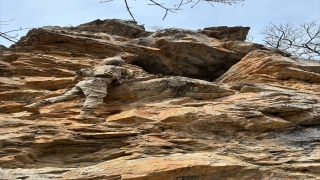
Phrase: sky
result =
(257, 14)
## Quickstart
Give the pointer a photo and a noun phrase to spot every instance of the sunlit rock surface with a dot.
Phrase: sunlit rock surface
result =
(204, 105)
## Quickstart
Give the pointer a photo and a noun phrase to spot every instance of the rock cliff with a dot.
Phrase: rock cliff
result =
(203, 105)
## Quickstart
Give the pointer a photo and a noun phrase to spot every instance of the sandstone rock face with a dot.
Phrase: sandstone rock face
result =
(199, 108)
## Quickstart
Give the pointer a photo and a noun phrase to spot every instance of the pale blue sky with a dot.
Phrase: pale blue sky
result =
(253, 13)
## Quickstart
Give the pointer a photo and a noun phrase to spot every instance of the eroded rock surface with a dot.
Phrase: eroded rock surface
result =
(258, 119)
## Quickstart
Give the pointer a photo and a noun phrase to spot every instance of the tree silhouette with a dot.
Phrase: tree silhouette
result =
(302, 40)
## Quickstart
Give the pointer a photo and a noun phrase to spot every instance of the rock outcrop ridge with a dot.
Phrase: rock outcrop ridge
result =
(203, 105)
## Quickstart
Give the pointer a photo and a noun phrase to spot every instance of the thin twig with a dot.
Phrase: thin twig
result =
(210, 3)
(167, 9)
(179, 5)
(155, 3)
(8, 20)
(11, 37)
(15, 30)
(129, 11)
(195, 3)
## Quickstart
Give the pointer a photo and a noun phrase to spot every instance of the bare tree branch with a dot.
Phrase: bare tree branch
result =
(178, 5)
(302, 40)
(210, 3)
(195, 3)
(167, 9)
(6, 33)
(5, 22)
(128, 9)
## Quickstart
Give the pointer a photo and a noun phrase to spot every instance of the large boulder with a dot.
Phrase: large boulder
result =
(189, 53)
(129, 29)
(224, 32)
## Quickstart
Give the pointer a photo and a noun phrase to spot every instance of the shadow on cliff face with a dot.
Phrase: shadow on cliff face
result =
(196, 54)
(184, 59)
